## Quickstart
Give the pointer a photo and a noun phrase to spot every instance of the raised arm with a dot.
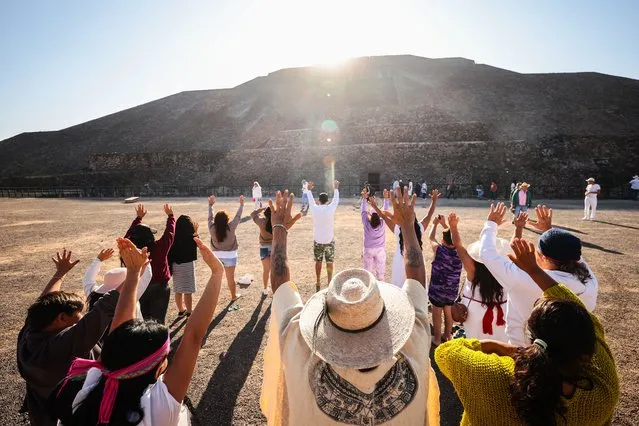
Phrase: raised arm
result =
(140, 212)
(211, 212)
(135, 260)
(335, 200)
(363, 210)
(282, 221)
(89, 282)
(238, 214)
(404, 216)
(434, 196)
(520, 224)
(255, 215)
(309, 192)
(63, 265)
(386, 217)
(178, 376)
(467, 261)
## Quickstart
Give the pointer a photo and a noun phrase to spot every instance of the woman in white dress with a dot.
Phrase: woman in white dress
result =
(482, 295)
(257, 195)
(398, 273)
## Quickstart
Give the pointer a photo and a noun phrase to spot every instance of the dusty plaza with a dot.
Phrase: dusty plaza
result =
(226, 385)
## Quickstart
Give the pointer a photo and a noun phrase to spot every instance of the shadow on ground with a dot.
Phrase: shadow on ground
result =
(219, 398)
(450, 408)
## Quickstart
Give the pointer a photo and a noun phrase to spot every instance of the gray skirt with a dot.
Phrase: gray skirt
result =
(184, 277)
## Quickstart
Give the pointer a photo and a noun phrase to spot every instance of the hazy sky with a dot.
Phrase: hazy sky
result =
(66, 62)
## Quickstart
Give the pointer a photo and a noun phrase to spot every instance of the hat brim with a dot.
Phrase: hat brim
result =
(365, 349)
(502, 245)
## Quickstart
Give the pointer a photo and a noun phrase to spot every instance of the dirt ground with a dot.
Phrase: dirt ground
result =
(226, 386)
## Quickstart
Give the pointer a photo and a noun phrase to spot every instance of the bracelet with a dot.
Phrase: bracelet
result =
(279, 225)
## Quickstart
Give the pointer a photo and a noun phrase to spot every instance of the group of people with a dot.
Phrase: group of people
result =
(357, 352)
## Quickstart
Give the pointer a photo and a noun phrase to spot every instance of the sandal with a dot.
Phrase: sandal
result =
(233, 308)
(181, 314)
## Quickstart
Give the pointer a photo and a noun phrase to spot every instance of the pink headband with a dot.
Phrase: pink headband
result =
(82, 366)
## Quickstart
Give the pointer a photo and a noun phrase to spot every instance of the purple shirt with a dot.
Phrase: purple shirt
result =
(373, 237)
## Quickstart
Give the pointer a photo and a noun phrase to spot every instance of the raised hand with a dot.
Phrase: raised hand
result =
(365, 193)
(335, 184)
(372, 202)
(403, 208)
(195, 228)
(140, 211)
(168, 210)
(434, 194)
(105, 254)
(544, 218)
(386, 194)
(310, 185)
(133, 258)
(63, 263)
(521, 220)
(209, 257)
(453, 220)
(241, 200)
(524, 256)
(281, 210)
(497, 213)
(212, 200)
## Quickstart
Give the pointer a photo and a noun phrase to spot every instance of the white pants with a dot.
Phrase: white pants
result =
(258, 203)
(590, 207)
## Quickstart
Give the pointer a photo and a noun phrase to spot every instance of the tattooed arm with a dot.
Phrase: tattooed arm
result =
(280, 218)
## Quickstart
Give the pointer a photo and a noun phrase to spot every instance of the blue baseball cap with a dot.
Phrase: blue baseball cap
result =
(560, 245)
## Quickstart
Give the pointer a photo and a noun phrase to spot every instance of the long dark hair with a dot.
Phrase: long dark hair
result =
(536, 388)
(184, 248)
(418, 231)
(375, 220)
(142, 236)
(489, 288)
(578, 269)
(267, 216)
(140, 338)
(221, 224)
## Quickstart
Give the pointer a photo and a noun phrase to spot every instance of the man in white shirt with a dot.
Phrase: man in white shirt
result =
(410, 187)
(558, 253)
(323, 230)
(590, 200)
(634, 186)
(357, 352)
(424, 190)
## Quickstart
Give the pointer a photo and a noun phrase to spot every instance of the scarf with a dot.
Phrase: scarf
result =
(81, 366)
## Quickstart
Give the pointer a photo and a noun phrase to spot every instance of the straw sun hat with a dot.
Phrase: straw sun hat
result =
(502, 244)
(357, 322)
(590, 180)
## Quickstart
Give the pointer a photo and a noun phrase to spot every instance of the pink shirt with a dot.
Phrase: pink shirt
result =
(522, 197)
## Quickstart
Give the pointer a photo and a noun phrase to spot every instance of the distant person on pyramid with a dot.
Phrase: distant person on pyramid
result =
(357, 352)
(521, 199)
(451, 190)
(374, 253)
(424, 190)
(410, 187)
(155, 300)
(590, 200)
(634, 187)
(304, 209)
(224, 241)
(323, 230)
(257, 195)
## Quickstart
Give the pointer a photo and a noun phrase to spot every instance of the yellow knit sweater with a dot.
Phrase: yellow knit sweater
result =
(482, 380)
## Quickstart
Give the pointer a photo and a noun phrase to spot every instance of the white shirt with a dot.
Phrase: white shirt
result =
(523, 292)
(288, 398)
(593, 187)
(410, 188)
(424, 188)
(323, 218)
(90, 284)
(158, 405)
(473, 326)
(634, 184)
(257, 192)
(395, 184)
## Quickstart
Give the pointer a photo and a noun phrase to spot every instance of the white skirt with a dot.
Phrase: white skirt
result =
(184, 277)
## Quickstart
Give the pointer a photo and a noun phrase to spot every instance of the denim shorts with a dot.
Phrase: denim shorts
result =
(229, 262)
(265, 251)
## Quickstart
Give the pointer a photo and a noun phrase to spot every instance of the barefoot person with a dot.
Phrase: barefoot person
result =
(444, 280)
(559, 255)
(564, 373)
(266, 240)
(133, 381)
(224, 241)
(323, 230)
(356, 352)
(374, 252)
(155, 300)
(182, 258)
(55, 332)
(590, 200)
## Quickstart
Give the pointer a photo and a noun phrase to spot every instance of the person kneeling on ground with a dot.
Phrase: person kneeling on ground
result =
(55, 332)
(564, 373)
(138, 385)
(357, 352)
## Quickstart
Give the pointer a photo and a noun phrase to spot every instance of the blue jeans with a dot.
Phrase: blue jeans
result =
(520, 209)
